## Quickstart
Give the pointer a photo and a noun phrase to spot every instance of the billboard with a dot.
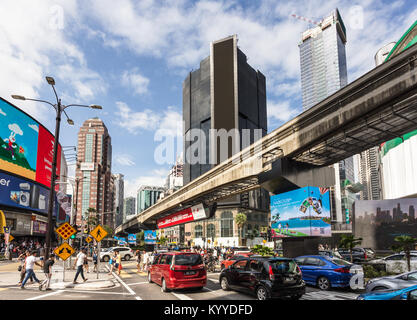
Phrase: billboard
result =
(187, 215)
(150, 236)
(26, 147)
(378, 222)
(65, 206)
(301, 213)
(131, 238)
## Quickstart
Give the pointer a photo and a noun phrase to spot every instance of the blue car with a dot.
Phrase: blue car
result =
(325, 272)
(409, 293)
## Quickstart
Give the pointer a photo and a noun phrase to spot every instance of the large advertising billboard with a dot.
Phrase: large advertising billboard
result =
(150, 236)
(301, 213)
(194, 213)
(26, 147)
(378, 222)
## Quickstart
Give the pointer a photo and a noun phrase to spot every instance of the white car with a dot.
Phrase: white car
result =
(125, 252)
(397, 263)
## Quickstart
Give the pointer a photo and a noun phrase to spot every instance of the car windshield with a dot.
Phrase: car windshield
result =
(340, 262)
(188, 260)
(283, 266)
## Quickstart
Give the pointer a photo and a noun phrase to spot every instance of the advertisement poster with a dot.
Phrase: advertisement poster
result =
(19, 193)
(64, 201)
(131, 238)
(378, 222)
(300, 213)
(26, 147)
(194, 213)
(150, 236)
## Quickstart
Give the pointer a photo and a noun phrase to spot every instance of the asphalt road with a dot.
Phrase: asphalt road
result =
(133, 286)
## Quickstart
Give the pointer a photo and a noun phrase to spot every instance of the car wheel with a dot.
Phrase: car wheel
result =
(149, 277)
(127, 257)
(323, 283)
(380, 288)
(224, 284)
(106, 258)
(164, 286)
(262, 293)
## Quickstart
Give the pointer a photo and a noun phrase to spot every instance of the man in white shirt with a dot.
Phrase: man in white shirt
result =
(79, 262)
(29, 264)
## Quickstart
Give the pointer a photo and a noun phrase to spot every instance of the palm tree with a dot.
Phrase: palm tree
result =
(109, 230)
(92, 219)
(240, 221)
(406, 243)
(349, 242)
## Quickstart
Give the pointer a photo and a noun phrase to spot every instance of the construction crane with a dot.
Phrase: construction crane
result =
(306, 19)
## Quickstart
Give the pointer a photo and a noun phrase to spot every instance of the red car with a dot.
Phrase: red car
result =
(178, 270)
(237, 256)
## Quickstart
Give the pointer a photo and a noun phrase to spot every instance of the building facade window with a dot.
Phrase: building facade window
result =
(211, 230)
(198, 230)
(226, 224)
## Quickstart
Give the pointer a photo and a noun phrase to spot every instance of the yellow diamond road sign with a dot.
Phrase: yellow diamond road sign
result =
(98, 233)
(88, 239)
(64, 251)
(65, 231)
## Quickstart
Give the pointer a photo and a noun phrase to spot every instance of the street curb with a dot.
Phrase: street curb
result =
(96, 285)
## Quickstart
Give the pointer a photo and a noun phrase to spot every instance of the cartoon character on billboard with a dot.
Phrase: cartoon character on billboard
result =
(11, 141)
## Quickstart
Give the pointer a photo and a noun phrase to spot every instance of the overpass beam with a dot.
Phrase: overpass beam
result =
(286, 175)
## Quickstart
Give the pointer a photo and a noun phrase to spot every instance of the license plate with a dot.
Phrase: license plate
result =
(289, 279)
(189, 273)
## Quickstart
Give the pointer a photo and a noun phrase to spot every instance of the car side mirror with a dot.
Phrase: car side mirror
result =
(404, 277)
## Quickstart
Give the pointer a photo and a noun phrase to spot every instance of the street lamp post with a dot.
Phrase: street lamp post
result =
(59, 108)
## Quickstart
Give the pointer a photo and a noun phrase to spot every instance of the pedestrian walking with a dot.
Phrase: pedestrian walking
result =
(137, 254)
(79, 262)
(86, 267)
(95, 260)
(118, 263)
(47, 269)
(29, 264)
(21, 268)
(112, 262)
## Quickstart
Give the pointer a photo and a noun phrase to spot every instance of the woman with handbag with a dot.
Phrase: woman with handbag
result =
(22, 259)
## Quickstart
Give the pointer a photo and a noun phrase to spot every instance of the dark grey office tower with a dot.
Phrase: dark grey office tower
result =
(224, 93)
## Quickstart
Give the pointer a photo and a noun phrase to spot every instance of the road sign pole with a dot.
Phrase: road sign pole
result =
(98, 258)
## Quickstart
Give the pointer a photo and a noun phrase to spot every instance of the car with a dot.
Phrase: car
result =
(397, 263)
(325, 272)
(178, 270)
(125, 252)
(409, 293)
(229, 261)
(264, 277)
(359, 255)
(392, 282)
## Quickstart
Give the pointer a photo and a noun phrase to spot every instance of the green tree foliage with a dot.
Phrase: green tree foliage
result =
(406, 243)
(262, 250)
(349, 242)
(240, 220)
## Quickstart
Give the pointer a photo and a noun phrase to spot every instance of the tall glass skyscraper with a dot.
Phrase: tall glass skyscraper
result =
(323, 60)
(323, 72)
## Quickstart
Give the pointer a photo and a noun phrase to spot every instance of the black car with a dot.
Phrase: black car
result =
(264, 277)
(359, 255)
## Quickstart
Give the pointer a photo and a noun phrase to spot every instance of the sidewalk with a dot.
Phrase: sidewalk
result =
(10, 277)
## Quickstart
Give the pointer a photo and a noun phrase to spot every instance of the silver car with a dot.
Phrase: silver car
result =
(392, 282)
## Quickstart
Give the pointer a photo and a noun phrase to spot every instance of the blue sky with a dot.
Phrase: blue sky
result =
(131, 57)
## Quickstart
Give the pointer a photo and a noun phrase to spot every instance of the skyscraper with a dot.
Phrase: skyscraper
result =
(147, 196)
(94, 168)
(323, 72)
(323, 60)
(118, 195)
(129, 207)
(224, 94)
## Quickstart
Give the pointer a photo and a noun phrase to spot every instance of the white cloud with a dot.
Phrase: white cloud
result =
(281, 111)
(34, 127)
(135, 121)
(157, 177)
(136, 81)
(15, 128)
(124, 160)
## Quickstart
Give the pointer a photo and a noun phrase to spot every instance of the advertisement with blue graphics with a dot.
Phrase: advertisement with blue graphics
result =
(150, 236)
(301, 213)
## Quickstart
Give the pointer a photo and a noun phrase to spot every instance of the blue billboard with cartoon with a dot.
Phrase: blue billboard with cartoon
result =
(300, 213)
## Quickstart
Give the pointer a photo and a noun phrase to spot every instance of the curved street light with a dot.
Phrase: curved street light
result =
(59, 108)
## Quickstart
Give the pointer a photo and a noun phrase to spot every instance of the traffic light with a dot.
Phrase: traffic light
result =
(73, 236)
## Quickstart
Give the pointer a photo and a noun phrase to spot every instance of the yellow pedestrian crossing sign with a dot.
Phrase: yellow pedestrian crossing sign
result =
(98, 233)
(64, 251)
(88, 239)
(11, 238)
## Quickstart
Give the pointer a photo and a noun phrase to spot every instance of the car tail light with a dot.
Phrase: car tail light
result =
(341, 270)
(271, 274)
(366, 257)
(298, 270)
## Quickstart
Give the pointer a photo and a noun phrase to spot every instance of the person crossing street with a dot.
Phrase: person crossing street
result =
(47, 269)
(29, 264)
(79, 262)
